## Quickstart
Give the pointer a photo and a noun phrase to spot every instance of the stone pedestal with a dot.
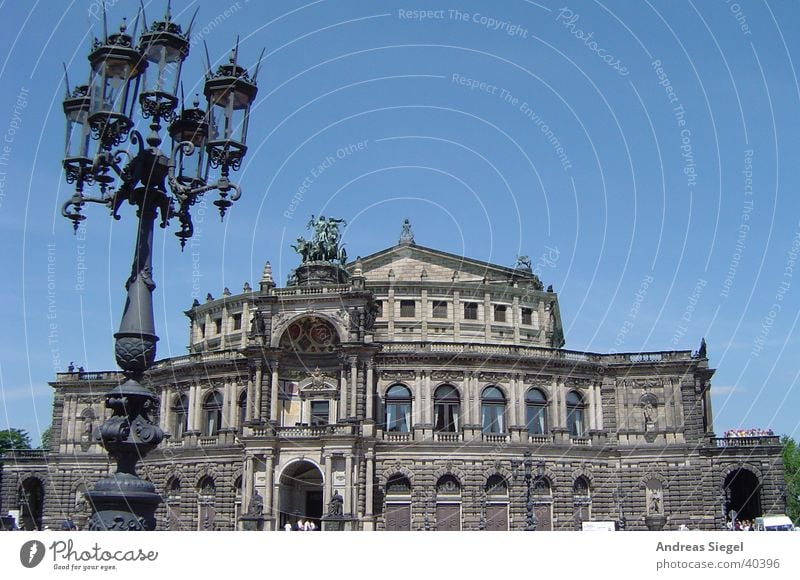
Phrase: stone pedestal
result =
(251, 523)
(343, 523)
(320, 273)
(655, 522)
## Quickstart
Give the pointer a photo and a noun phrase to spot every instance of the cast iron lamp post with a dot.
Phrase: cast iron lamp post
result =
(531, 521)
(103, 112)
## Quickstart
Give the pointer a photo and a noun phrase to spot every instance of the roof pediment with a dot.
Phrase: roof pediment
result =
(410, 262)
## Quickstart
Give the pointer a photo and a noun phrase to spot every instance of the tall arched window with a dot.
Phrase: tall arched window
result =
(536, 412)
(174, 504)
(398, 409)
(206, 496)
(180, 411)
(575, 408)
(582, 500)
(446, 406)
(213, 413)
(493, 408)
(242, 408)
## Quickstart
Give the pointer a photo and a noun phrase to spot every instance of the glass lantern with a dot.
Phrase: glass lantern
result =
(164, 47)
(116, 71)
(76, 148)
(230, 93)
(190, 127)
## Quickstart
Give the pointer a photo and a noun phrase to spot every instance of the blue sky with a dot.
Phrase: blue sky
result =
(643, 155)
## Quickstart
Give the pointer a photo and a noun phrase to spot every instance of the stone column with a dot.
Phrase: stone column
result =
(268, 485)
(273, 397)
(342, 393)
(369, 524)
(162, 408)
(327, 491)
(258, 388)
(370, 387)
(348, 483)
(469, 398)
(426, 398)
(520, 390)
(167, 396)
(250, 392)
(249, 476)
(353, 385)
(192, 410)
(562, 399)
(513, 402)
(555, 409)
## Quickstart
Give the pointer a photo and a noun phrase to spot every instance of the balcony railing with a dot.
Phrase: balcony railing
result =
(397, 437)
(113, 376)
(495, 437)
(447, 436)
(746, 441)
(207, 441)
(534, 352)
(581, 440)
(14, 454)
(540, 439)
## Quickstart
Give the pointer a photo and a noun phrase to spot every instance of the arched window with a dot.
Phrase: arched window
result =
(493, 407)
(213, 412)
(575, 408)
(536, 412)
(180, 411)
(398, 409)
(581, 500)
(446, 404)
(242, 408)
(206, 495)
(174, 504)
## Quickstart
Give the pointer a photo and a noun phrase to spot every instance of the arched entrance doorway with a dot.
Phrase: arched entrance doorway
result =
(743, 493)
(301, 494)
(31, 504)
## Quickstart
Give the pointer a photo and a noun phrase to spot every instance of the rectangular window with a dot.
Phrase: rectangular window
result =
(440, 309)
(237, 321)
(499, 313)
(202, 331)
(407, 309)
(379, 305)
(470, 311)
(527, 316)
(320, 414)
(218, 326)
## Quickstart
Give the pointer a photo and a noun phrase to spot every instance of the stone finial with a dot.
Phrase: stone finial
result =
(209, 297)
(195, 303)
(266, 277)
(246, 287)
(424, 274)
(550, 288)
(406, 235)
(391, 273)
(226, 292)
(358, 267)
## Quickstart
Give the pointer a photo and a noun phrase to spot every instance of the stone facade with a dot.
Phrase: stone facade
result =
(411, 385)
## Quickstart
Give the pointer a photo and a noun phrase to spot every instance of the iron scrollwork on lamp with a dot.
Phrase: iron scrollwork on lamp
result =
(157, 184)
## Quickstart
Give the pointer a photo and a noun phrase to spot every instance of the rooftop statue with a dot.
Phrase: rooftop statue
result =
(324, 246)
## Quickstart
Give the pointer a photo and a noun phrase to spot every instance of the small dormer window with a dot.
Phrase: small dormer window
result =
(527, 316)
(470, 311)
(202, 331)
(407, 309)
(440, 309)
(237, 321)
(500, 313)
(218, 326)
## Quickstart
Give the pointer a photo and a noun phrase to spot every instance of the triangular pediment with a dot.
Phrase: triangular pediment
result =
(410, 262)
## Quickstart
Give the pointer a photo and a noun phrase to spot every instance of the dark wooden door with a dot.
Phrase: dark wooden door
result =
(497, 518)
(448, 517)
(543, 516)
(398, 517)
(174, 516)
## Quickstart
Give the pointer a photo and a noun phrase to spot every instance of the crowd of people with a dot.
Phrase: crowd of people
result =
(749, 433)
(301, 526)
(742, 525)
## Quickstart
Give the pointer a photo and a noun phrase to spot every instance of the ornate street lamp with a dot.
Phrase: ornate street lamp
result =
(531, 521)
(156, 184)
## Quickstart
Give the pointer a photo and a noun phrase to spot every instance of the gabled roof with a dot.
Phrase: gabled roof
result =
(410, 261)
